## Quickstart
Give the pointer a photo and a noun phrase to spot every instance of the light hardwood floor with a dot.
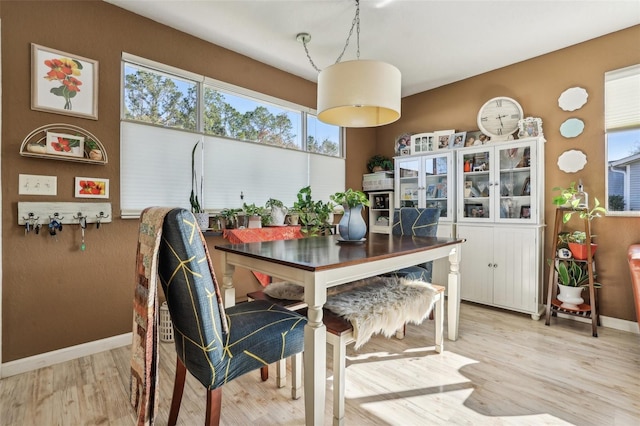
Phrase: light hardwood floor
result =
(505, 369)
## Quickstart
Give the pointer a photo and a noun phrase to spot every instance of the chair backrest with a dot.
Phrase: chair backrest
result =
(415, 221)
(193, 295)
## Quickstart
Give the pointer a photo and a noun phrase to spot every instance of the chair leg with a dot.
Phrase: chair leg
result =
(296, 376)
(264, 373)
(214, 403)
(281, 373)
(178, 388)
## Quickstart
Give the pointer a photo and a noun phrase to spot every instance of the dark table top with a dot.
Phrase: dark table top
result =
(319, 253)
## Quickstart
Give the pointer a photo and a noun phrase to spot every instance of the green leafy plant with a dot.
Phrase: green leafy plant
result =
(230, 217)
(573, 274)
(567, 198)
(193, 199)
(381, 161)
(313, 215)
(272, 202)
(350, 198)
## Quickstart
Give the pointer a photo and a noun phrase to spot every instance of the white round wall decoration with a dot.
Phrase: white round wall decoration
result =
(573, 99)
(572, 161)
(572, 127)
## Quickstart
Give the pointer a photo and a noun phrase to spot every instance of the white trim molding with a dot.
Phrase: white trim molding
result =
(35, 362)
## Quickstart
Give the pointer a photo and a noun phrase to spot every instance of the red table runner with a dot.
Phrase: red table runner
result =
(256, 235)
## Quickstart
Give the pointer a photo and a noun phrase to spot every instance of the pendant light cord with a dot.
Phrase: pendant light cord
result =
(354, 24)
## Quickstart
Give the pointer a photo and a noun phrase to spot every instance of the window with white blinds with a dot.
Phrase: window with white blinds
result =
(254, 147)
(155, 170)
(622, 98)
(622, 127)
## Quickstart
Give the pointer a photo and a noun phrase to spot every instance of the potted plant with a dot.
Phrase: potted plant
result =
(230, 217)
(379, 163)
(352, 226)
(573, 277)
(277, 213)
(313, 215)
(254, 213)
(570, 198)
(201, 216)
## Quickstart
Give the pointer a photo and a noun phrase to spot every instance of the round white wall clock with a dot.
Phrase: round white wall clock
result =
(572, 161)
(573, 99)
(498, 118)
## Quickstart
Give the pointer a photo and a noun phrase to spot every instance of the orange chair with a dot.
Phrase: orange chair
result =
(633, 255)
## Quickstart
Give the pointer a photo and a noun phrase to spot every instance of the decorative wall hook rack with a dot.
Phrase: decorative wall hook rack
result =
(67, 213)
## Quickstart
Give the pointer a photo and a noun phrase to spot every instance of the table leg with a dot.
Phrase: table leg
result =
(315, 361)
(453, 293)
(228, 290)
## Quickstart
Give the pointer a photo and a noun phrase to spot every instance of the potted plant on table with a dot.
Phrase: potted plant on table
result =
(277, 213)
(201, 216)
(313, 215)
(352, 226)
(255, 215)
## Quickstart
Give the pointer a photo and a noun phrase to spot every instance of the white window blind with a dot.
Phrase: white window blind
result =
(155, 170)
(622, 98)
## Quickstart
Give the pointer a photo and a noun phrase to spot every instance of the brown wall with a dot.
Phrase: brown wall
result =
(55, 296)
(537, 84)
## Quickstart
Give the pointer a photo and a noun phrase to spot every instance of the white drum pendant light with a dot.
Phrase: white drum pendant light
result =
(360, 93)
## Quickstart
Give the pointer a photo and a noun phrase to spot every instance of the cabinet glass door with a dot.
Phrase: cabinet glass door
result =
(515, 183)
(477, 185)
(436, 172)
(408, 175)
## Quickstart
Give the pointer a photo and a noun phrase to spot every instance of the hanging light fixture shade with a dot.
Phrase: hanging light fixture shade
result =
(360, 93)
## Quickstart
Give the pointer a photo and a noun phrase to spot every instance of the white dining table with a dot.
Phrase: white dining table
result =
(318, 263)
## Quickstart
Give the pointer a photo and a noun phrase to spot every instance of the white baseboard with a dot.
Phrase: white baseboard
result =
(615, 323)
(23, 365)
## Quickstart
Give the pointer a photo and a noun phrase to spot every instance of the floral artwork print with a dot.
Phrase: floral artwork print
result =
(87, 187)
(65, 144)
(64, 71)
(63, 83)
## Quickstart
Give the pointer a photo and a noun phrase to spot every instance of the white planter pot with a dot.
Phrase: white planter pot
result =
(570, 296)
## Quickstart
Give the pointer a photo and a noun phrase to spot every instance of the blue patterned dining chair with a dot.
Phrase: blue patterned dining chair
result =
(215, 344)
(419, 222)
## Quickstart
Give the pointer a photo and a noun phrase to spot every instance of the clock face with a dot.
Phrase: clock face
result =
(499, 117)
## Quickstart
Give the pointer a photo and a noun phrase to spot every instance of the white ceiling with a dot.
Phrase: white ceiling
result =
(432, 42)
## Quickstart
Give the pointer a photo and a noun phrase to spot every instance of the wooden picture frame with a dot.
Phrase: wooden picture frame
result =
(88, 187)
(64, 144)
(530, 127)
(63, 83)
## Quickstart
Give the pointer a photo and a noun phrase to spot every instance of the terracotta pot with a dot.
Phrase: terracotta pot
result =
(579, 251)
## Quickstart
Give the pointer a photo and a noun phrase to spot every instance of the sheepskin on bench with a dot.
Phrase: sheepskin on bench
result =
(372, 305)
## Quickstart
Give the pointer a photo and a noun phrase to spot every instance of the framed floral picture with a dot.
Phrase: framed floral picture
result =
(87, 187)
(63, 83)
(65, 145)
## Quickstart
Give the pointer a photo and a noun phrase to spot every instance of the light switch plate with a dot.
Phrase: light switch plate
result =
(37, 185)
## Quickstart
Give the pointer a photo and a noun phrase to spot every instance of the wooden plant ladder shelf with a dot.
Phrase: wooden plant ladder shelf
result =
(591, 310)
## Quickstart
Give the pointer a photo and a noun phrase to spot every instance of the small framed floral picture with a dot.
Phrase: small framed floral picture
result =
(87, 187)
(63, 83)
(65, 145)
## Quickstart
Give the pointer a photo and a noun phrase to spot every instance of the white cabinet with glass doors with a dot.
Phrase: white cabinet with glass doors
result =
(500, 215)
(501, 182)
(426, 181)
